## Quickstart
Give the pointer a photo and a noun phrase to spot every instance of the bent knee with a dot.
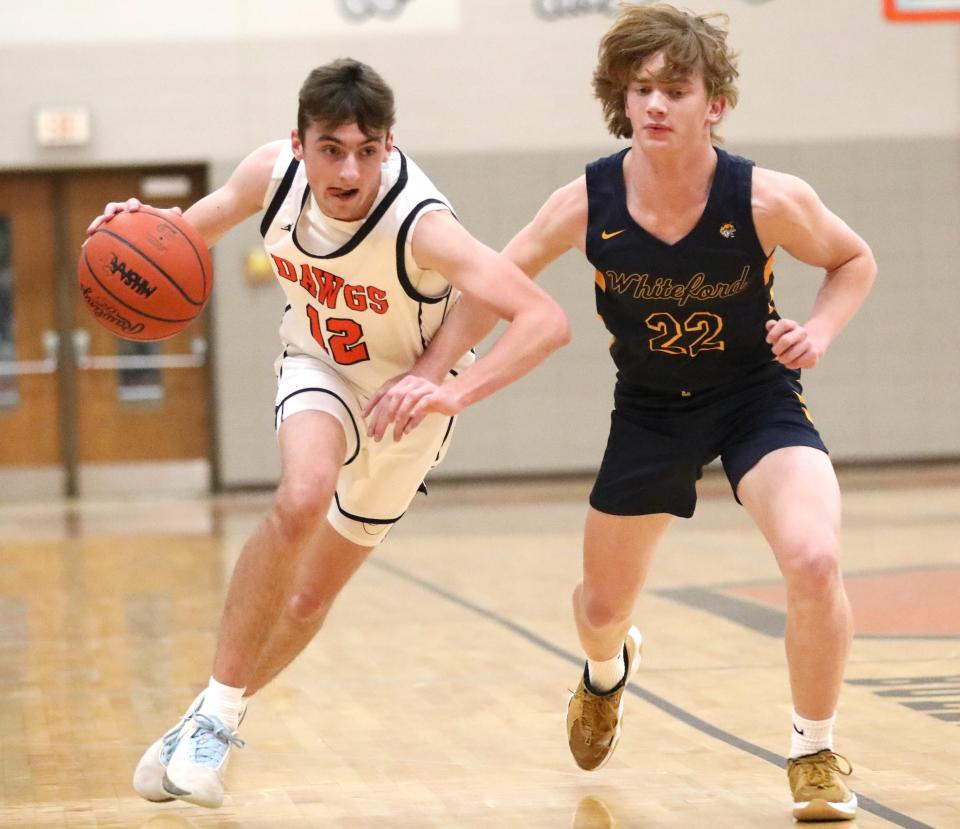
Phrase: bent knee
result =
(812, 567)
(298, 509)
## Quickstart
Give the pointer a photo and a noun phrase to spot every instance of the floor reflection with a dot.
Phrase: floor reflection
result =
(593, 813)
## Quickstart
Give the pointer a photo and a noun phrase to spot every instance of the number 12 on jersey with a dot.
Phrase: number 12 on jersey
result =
(343, 339)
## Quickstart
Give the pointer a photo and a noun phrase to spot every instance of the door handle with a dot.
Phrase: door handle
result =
(48, 365)
(195, 358)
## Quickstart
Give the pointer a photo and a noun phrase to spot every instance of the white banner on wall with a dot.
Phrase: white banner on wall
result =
(121, 21)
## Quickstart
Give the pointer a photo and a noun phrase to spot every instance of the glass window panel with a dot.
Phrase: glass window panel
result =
(139, 385)
(9, 396)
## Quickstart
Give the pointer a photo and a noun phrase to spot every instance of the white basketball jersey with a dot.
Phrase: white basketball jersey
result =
(355, 297)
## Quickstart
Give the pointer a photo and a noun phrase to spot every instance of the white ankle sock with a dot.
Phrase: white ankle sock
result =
(604, 675)
(225, 702)
(810, 736)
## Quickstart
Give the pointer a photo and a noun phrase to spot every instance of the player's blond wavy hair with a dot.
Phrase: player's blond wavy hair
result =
(689, 43)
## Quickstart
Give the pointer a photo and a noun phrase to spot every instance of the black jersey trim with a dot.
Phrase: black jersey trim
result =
(278, 409)
(443, 316)
(402, 274)
(285, 184)
(423, 340)
(363, 520)
(443, 442)
(366, 227)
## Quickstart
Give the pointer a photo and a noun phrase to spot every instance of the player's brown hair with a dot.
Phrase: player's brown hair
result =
(689, 43)
(346, 91)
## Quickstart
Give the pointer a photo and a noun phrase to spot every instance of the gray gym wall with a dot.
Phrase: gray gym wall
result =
(495, 103)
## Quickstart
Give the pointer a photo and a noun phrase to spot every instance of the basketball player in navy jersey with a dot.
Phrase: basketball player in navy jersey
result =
(370, 257)
(682, 236)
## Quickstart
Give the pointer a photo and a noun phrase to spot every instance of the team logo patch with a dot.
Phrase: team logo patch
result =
(728, 231)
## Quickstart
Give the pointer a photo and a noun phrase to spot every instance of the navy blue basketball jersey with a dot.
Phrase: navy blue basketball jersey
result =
(685, 316)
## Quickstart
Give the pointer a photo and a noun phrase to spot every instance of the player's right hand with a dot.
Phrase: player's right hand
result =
(114, 207)
(405, 401)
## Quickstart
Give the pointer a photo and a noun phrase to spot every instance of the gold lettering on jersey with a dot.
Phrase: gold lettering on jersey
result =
(332, 290)
(643, 286)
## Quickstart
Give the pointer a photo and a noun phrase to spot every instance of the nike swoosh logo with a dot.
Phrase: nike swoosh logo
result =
(604, 235)
(801, 733)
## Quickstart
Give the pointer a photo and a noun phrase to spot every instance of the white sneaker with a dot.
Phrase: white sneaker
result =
(148, 776)
(199, 760)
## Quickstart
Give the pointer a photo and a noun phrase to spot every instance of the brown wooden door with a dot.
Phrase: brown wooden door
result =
(159, 411)
(29, 391)
(108, 403)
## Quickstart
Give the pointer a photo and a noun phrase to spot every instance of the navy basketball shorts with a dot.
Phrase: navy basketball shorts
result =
(659, 443)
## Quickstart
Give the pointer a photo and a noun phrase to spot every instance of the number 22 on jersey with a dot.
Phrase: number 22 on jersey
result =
(698, 332)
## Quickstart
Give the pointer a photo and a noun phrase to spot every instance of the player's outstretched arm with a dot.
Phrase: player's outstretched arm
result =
(559, 225)
(237, 199)
(537, 325)
(790, 214)
(474, 316)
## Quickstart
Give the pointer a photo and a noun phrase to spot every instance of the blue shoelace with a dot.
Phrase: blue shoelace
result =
(170, 740)
(211, 740)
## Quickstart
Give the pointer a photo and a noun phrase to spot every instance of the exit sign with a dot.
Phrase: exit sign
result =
(67, 127)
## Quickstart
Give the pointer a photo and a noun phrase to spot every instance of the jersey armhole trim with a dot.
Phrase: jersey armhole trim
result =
(402, 274)
(285, 184)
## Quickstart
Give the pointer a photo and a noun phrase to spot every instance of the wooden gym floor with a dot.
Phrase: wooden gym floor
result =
(435, 696)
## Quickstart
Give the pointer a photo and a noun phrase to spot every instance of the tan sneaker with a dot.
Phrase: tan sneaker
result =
(593, 720)
(818, 792)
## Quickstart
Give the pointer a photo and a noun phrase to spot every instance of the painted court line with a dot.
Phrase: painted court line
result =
(866, 803)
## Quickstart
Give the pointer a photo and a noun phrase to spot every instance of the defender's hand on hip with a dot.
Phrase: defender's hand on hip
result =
(792, 344)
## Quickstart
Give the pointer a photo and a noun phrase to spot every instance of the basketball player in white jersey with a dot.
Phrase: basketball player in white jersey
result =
(371, 258)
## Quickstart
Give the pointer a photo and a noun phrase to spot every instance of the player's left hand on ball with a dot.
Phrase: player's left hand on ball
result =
(129, 206)
(792, 344)
(405, 402)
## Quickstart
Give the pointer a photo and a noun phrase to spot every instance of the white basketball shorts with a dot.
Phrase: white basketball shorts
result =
(377, 481)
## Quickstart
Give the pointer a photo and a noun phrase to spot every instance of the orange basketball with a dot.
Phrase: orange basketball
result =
(145, 275)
